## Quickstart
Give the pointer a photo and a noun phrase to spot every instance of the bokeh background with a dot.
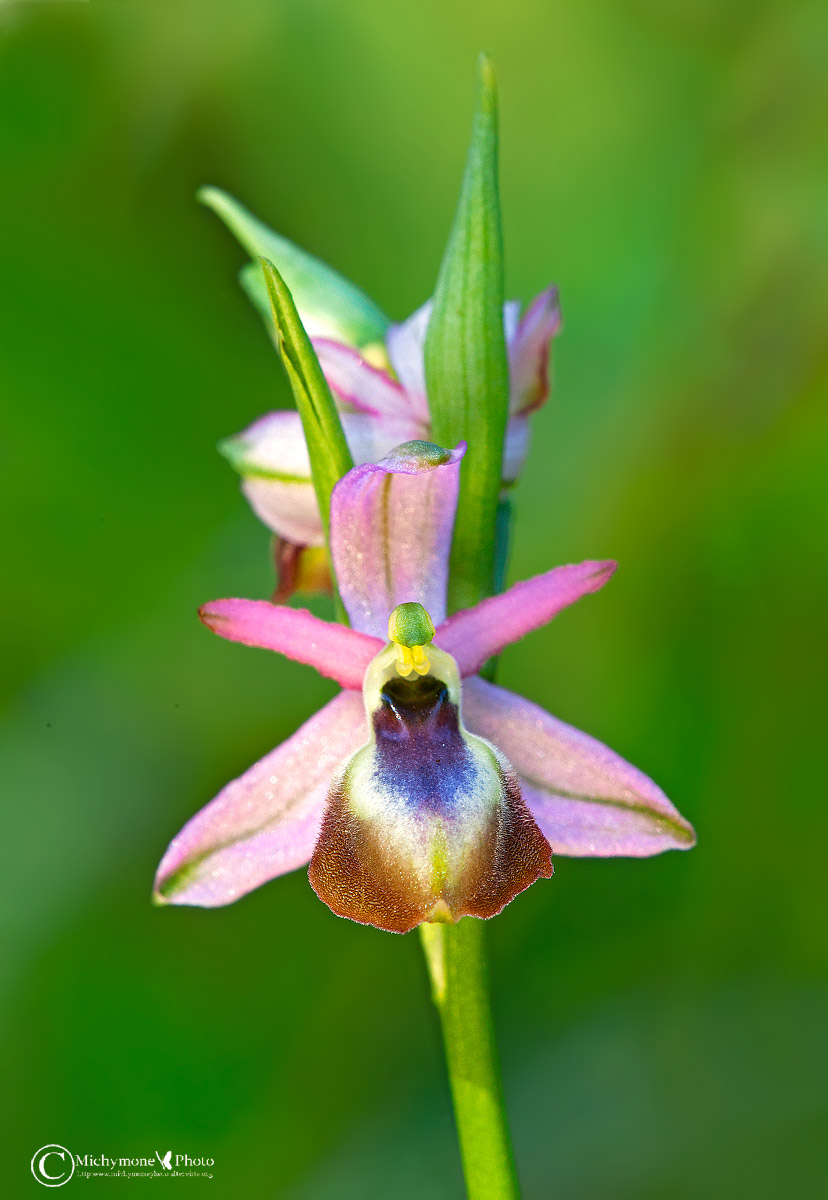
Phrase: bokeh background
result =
(662, 1022)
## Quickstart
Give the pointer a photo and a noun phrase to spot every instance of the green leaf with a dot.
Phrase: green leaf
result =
(329, 304)
(467, 372)
(329, 454)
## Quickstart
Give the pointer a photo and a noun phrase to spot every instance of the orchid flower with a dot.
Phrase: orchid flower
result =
(421, 792)
(377, 376)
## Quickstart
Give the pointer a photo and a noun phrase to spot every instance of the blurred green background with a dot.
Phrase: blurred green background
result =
(663, 1022)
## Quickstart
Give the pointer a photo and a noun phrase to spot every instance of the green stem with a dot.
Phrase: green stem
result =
(456, 958)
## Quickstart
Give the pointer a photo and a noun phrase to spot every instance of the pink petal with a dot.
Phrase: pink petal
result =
(587, 800)
(474, 635)
(272, 459)
(370, 437)
(406, 346)
(267, 821)
(357, 383)
(406, 349)
(511, 320)
(288, 508)
(336, 651)
(529, 352)
(391, 527)
(515, 447)
(274, 445)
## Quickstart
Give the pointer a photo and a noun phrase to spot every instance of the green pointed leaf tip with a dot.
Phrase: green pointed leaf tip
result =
(330, 305)
(467, 370)
(329, 454)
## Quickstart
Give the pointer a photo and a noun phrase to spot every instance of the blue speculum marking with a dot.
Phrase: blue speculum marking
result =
(421, 757)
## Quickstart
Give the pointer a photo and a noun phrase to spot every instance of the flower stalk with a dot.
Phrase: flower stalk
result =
(456, 958)
(467, 377)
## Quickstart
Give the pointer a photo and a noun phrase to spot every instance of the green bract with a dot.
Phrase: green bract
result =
(331, 305)
(329, 454)
(467, 371)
